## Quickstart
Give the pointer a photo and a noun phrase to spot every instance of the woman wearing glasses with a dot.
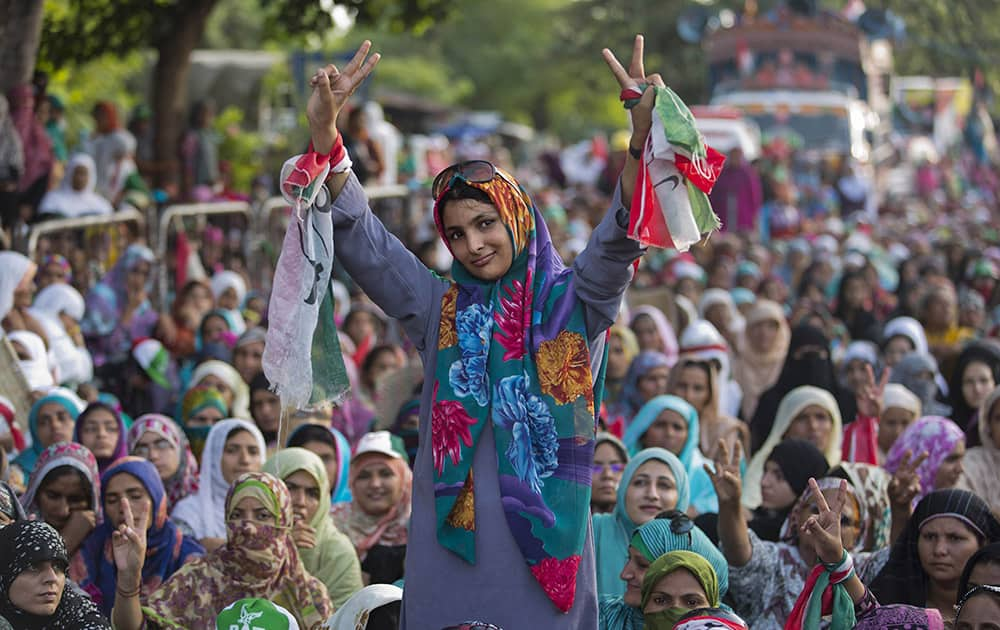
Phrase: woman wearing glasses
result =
(510, 348)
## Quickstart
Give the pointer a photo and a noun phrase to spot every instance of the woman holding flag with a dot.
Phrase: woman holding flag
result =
(513, 350)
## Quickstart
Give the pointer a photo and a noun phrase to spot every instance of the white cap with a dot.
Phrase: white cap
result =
(376, 442)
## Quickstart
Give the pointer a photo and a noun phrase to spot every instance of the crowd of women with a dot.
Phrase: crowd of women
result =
(802, 434)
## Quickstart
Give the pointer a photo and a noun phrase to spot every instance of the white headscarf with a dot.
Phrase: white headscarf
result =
(712, 297)
(15, 266)
(222, 281)
(359, 607)
(60, 298)
(35, 368)
(791, 406)
(67, 202)
(896, 395)
(229, 375)
(70, 362)
(205, 511)
(909, 328)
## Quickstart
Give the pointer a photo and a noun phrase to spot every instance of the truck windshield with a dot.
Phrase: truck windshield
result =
(817, 131)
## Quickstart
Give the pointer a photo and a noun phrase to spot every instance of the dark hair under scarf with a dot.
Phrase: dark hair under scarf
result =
(990, 554)
(811, 369)
(798, 460)
(984, 351)
(24, 544)
(903, 579)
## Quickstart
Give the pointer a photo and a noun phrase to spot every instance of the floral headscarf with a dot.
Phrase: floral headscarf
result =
(167, 549)
(185, 480)
(515, 353)
(256, 561)
(64, 454)
(934, 434)
(900, 616)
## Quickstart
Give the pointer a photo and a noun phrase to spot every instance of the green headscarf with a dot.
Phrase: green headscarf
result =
(333, 560)
(667, 564)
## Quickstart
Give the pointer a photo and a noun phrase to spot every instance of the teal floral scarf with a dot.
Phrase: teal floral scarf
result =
(514, 352)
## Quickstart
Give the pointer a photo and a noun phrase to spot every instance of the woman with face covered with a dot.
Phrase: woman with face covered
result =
(918, 373)
(515, 331)
(326, 552)
(259, 559)
(808, 363)
(669, 531)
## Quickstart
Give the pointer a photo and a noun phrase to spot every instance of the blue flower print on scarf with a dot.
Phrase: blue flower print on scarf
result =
(534, 447)
(468, 376)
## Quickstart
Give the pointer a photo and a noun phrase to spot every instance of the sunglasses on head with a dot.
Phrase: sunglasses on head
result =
(680, 523)
(471, 172)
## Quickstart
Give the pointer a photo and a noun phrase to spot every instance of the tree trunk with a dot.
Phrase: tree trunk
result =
(170, 77)
(20, 33)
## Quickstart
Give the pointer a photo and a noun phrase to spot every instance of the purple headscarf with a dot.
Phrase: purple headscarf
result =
(934, 434)
(901, 616)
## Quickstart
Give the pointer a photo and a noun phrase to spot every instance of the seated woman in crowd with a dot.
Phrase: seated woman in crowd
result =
(654, 481)
(900, 408)
(978, 609)
(258, 559)
(610, 457)
(926, 562)
(675, 584)
(808, 363)
(983, 567)
(654, 332)
(136, 480)
(786, 476)
(762, 353)
(768, 577)
(33, 579)
(975, 375)
(900, 337)
(119, 311)
(64, 491)
(805, 413)
(201, 408)
(332, 448)
(648, 377)
(229, 290)
(248, 353)
(622, 349)
(224, 378)
(101, 429)
(75, 196)
(51, 420)
(918, 372)
(699, 382)
(944, 444)
(178, 328)
(326, 552)
(159, 440)
(669, 531)
(981, 466)
(233, 447)
(376, 518)
(670, 423)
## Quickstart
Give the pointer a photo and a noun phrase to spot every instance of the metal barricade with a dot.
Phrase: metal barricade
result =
(179, 212)
(74, 225)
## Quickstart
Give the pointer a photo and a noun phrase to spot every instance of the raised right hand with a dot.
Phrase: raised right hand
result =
(128, 545)
(726, 476)
(331, 91)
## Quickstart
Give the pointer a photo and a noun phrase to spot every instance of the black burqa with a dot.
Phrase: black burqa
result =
(811, 368)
